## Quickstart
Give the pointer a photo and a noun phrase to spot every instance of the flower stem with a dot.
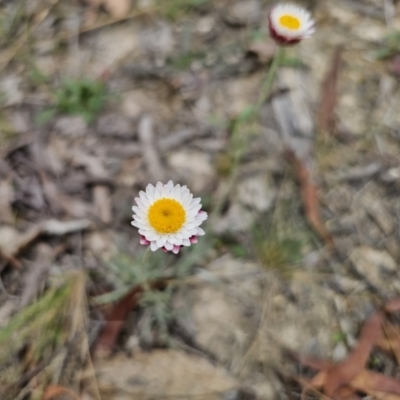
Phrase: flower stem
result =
(240, 150)
(269, 80)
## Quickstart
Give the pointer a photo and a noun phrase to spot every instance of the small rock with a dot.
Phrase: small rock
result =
(71, 126)
(99, 245)
(11, 90)
(340, 352)
(194, 167)
(110, 46)
(156, 40)
(206, 25)
(391, 175)
(166, 373)
(221, 319)
(256, 192)
(377, 267)
(243, 13)
(376, 209)
(237, 219)
(360, 172)
(20, 121)
(114, 125)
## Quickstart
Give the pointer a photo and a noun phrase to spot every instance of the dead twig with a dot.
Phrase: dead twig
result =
(151, 155)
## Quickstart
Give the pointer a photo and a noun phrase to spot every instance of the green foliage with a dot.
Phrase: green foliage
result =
(83, 97)
(389, 48)
(279, 252)
(338, 337)
(126, 272)
(174, 9)
(281, 237)
(256, 35)
(42, 327)
(291, 62)
(184, 61)
(227, 240)
(158, 313)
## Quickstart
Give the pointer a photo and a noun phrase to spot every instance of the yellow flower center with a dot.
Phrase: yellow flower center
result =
(290, 22)
(166, 215)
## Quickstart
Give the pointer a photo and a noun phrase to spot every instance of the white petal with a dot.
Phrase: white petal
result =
(169, 246)
(144, 198)
(170, 186)
(161, 241)
(178, 242)
(138, 211)
(197, 208)
(153, 246)
(177, 193)
(196, 200)
(200, 232)
(186, 242)
(202, 216)
(150, 190)
(159, 188)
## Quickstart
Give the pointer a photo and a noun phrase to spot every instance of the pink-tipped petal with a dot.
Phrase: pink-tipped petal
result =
(193, 240)
(144, 241)
(176, 249)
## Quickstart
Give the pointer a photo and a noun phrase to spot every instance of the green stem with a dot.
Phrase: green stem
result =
(264, 93)
(269, 80)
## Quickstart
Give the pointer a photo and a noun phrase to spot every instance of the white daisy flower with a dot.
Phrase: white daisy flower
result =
(290, 23)
(168, 217)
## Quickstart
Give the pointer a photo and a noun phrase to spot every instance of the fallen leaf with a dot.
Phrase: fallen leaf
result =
(391, 342)
(116, 8)
(372, 381)
(310, 198)
(7, 196)
(344, 372)
(377, 395)
(392, 305)
(344, 380)
(13, 242)
(59, 228)
(115, 317)
(61, 202)
(102, 203)
(54, 392)
(328, 100)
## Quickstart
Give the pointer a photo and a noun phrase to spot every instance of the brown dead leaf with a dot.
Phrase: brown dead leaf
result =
(310, 198)
(346, 393)
(102, 203)
(367, 381)
(13, 242)
(377, 395)
(344, 372)
(392, 305)
(391, 340)
(61, 202)
(116, 8)
(7, 196)
(328, 100)
(343, 380)
(115, 317)
(56, 392)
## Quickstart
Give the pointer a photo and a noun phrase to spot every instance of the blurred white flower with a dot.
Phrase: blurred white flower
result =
(290, 23)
